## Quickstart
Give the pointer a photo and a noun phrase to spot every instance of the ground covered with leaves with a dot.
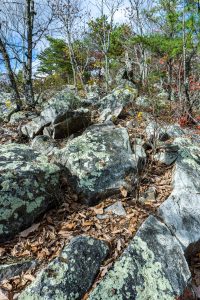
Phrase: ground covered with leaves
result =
(44, 240)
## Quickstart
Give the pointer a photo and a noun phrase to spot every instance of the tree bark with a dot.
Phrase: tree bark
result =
(11, 75)
(28, 83)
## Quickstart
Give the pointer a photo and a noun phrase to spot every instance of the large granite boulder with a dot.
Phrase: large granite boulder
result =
(187, 171)
(112, 105)
(69, 276)
(99, 161)
(62, 113)
(181, 211)
(29, 185)
(152, 267)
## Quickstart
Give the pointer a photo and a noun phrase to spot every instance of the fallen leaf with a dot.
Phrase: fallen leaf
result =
(124, 192)
(63, 233)
(69, 226)
(87, 223)
(98, 211)
(29, 277)
(29, 230)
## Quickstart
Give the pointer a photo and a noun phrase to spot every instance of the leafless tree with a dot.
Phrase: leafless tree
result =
(70, 14)
(107, 10)
(24, 24)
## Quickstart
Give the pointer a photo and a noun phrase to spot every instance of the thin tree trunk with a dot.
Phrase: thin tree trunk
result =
(170, 73)
(11, 75)
(28, 84)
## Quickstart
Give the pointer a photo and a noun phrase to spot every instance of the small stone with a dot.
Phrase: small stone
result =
(117, 209)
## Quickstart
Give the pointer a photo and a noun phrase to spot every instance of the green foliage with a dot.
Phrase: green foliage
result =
(55, 59)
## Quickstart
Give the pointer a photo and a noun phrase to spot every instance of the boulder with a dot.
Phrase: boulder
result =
(73, 122)
(62, 114)
(22, 116)
(181, 211)
(43, 144)
(98, 161)
(112, 105)
(29, 184)
(166, 158)
(155, 132)
(187, 170)
(152, 267)
(167, 154)
(70, 275)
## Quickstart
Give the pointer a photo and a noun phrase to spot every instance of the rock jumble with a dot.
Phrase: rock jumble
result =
(154, 265)
(61, 116)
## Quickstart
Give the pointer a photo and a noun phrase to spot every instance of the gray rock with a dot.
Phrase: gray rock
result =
(43, 144)
(166, 158)
(112, 105)
(149, 195)
(187, 170)
(22, 116)
(175, 130)
(11, 269)
(152, 267)
(117, 209)
(140, 155)
(73, 122)
(28, 186)
(99, 161)
(143, 102)
(181, 210)
(71, 274)
(62, 114)
(155, 132)
(181, 214)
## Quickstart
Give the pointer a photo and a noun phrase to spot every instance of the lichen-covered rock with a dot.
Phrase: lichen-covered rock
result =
(152, 267)
(112, 105)
(29, 184)
(22, 116)
(73, 122)
(187, 171)
(69, 276)
(15, 268)
(181, 211)
(99, 161)
(61, 112)
(43, 144)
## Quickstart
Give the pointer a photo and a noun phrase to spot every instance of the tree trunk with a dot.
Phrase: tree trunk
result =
(28, 83)
(11, 75)
(170, 74)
